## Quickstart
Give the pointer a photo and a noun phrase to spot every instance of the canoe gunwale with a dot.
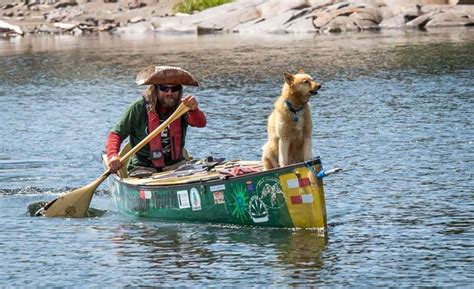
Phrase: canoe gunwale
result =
(312, 162)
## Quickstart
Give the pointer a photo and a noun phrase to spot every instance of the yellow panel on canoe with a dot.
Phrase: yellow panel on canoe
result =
(304, 195)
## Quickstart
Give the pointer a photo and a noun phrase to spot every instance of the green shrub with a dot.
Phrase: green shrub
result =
(189, 6)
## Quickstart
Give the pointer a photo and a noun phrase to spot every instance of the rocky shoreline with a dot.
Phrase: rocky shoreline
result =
(242, 16)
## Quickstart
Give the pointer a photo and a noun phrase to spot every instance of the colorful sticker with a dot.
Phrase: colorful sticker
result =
(239, 201)
(250, 186)
(195, 199)
(219, 197)
(183, 199)
(301, 199)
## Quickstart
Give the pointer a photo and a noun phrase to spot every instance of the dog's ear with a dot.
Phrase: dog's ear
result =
(289, 78)
(301, 70)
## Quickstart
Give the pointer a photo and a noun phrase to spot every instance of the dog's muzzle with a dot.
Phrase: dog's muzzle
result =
(315, 91)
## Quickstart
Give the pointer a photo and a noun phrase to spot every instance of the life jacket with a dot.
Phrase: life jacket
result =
(177, 134)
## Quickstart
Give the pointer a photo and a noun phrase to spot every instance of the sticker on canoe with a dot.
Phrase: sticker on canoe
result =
(250, 186)
(183, 199)
(297, 183)
(219, 197)
(258, 210)
(301, 199)
(239, 201)
(217, 188)
(145, 195)
(270, 192)
(195, 199)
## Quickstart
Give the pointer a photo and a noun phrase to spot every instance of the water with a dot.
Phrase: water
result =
(395, 112)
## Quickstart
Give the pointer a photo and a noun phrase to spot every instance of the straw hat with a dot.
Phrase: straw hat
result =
(165, 75)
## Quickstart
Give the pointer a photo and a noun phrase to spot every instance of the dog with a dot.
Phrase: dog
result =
(289, 125)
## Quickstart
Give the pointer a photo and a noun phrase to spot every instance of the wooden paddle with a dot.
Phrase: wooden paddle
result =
(74, 204)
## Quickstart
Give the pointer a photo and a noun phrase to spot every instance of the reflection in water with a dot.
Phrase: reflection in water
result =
(209, 252)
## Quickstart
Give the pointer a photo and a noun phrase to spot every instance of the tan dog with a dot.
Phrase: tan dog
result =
(290, 125)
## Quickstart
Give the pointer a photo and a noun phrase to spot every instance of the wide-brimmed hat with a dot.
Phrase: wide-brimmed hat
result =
(165, 75)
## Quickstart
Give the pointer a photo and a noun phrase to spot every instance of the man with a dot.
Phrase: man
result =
(147, 113)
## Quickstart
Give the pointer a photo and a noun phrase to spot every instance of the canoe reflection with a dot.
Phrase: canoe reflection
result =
(209, 251)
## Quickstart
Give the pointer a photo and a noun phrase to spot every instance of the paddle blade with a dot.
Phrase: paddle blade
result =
(72, 204)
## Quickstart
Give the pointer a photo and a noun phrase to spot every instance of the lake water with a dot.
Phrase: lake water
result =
(395, 112)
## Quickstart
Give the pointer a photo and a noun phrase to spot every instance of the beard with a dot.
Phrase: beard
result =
(169, 102)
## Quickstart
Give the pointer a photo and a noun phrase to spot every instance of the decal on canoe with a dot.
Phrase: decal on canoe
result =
(270, 192)
(195, 199)
(183, 199)
(250, 186)
(217, 188)
(219, 197)
(297, 183)
(145, 195)
(239, 201)
(258, 210)
(301, 199)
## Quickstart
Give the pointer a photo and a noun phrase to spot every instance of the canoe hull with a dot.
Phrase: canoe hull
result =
(290, 197)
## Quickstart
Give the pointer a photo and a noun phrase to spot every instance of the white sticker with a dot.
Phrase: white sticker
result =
(195, 199)
(293, 183)
(307, 198)
(217, 188)
(147, 194)
(183, 199)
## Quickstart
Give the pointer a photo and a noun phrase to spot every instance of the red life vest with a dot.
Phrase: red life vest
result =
(177, 133)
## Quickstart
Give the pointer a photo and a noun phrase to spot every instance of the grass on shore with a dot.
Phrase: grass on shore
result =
(189, 6)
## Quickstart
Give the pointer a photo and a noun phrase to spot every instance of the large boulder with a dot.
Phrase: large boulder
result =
(274, 8)
(275, 24)
(8, 28)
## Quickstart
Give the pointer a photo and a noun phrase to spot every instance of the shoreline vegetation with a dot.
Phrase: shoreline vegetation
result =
(78, 17)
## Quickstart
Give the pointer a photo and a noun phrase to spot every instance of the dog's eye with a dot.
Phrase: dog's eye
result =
(305, 81)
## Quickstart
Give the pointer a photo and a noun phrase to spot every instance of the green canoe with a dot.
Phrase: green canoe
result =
(233, 192)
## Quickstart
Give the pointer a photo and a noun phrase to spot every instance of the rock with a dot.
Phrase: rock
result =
(274, 24)
(395, 22)
(339, 24)
(107, 26)
(9, 28)
(364, 24)
(8, 6)
(47, 29)
(420, 21)
(65, 26)
(65, 4)
(274, 8)
(448, 19)
(136, 28)
(136, 19)
(301, 25)
(135, 4)
(77, 31)
(227, 21)
(321, 18)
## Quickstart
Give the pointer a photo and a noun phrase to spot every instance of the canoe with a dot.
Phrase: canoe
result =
(227, 192)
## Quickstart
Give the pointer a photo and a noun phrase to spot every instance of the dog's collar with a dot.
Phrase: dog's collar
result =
(295, 111)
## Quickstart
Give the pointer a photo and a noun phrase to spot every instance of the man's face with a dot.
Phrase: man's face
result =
(169, 95)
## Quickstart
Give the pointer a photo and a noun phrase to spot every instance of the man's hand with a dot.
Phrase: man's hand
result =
(114, 164)
(191, 102)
